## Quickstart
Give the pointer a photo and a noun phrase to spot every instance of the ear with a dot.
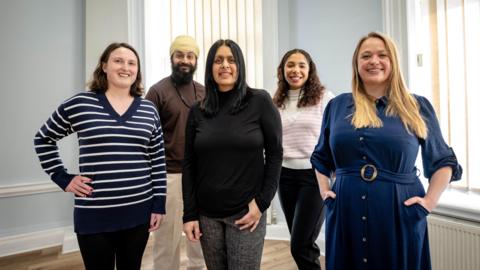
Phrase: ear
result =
(103, 66)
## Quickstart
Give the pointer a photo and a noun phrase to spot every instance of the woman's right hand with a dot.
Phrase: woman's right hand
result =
(328, 194)
(192, 230)
(78, 187)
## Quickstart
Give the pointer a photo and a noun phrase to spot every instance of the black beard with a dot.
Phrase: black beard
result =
(181, 77)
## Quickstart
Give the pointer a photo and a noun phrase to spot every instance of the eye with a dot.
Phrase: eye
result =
(231, 60)
(218, 61)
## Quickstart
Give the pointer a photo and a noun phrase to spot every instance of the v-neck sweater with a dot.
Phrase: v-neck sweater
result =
(231, 159)
(124, 154)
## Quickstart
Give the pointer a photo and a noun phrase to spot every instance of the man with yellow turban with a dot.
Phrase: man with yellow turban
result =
(173, 97)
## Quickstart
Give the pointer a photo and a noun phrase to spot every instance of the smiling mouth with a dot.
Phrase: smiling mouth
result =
(224, 74)
(295, 78)
(374, 70)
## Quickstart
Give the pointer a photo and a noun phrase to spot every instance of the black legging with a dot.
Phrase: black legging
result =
(303, 208)
(100, 251)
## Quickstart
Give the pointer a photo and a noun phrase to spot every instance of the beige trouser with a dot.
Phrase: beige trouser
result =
(166, 244)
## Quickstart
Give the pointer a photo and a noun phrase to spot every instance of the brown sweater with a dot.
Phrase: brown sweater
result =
(173, 107)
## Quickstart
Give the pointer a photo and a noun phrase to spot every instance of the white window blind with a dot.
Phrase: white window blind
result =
(444, 45)
(206, 21)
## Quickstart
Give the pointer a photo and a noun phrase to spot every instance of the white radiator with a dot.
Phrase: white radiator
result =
(454, 243)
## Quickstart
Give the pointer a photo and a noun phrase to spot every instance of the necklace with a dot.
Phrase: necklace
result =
(184, 101)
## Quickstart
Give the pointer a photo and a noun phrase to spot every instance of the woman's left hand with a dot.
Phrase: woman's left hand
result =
(155, 221)
(429, 205)
(250, 219)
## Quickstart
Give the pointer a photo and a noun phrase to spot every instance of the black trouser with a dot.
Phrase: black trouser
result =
(303, 207)
(100, 251)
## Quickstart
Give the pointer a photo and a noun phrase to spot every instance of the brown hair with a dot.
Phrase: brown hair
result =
(99, 82)
(312, 89)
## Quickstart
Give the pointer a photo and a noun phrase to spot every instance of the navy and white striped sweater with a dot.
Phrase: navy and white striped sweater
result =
(124, 154)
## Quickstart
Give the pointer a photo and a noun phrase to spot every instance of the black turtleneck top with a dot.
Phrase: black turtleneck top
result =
(231, 159)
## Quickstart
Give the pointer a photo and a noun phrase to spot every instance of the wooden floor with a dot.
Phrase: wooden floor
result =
(276, 255)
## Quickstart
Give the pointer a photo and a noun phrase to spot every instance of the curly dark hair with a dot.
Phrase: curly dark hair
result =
(99, 82)
(313, 89)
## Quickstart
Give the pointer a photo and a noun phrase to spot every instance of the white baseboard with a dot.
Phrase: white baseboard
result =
(15, 244)
(70, 243)
(278, 232)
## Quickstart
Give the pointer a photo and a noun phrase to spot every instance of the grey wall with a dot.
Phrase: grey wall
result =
(42, 64)
(49, 48)
(105, 22)
(329, 31)
(42, 52)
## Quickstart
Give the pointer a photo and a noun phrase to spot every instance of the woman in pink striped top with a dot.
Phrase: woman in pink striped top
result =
(301, 99)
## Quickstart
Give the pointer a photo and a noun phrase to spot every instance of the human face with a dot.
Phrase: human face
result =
(374, 66)
(121, 68)
(224, 69)
(296, 71)
(186, 61)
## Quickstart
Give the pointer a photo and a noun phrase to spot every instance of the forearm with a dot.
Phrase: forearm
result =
(323, 183)
(439, 181)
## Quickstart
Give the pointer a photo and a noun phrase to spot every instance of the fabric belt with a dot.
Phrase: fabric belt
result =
(370, 173)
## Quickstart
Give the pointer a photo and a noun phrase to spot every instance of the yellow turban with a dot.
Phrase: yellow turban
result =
(184, 43)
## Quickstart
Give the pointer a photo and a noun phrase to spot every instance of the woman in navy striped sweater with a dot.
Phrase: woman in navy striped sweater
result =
(120, 191)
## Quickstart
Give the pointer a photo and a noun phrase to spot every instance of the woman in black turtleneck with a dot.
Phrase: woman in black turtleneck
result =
(233, 157)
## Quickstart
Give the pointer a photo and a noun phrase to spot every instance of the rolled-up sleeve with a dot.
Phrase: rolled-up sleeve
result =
(322, 159)
(436, 153)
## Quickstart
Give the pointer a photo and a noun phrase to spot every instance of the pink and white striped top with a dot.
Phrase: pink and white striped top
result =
(301, 129)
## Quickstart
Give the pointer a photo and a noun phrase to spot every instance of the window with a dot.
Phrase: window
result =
(444, 60)
(206, 21)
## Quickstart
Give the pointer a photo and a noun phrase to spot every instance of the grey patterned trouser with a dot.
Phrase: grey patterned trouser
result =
(225, 247)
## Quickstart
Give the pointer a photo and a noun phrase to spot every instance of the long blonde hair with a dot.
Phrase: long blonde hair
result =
(400, 102)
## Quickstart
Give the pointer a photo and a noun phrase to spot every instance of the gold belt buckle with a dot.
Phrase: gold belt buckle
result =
(374, 175)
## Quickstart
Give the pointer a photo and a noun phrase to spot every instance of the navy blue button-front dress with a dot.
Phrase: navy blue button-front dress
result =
(367, 224)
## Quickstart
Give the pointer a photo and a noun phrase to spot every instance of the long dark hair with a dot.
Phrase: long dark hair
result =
(209, 105)
(313, 89)
(99, 82)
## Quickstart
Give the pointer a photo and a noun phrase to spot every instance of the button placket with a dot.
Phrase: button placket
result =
(364, 221)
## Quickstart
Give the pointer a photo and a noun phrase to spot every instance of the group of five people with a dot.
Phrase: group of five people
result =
(221, 150)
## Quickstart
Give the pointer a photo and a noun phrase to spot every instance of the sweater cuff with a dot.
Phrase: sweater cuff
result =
(159, 205)
(261, 204)
(191, 217)
(62, 179)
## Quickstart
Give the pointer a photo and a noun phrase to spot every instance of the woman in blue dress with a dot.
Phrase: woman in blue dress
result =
(377, 207)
